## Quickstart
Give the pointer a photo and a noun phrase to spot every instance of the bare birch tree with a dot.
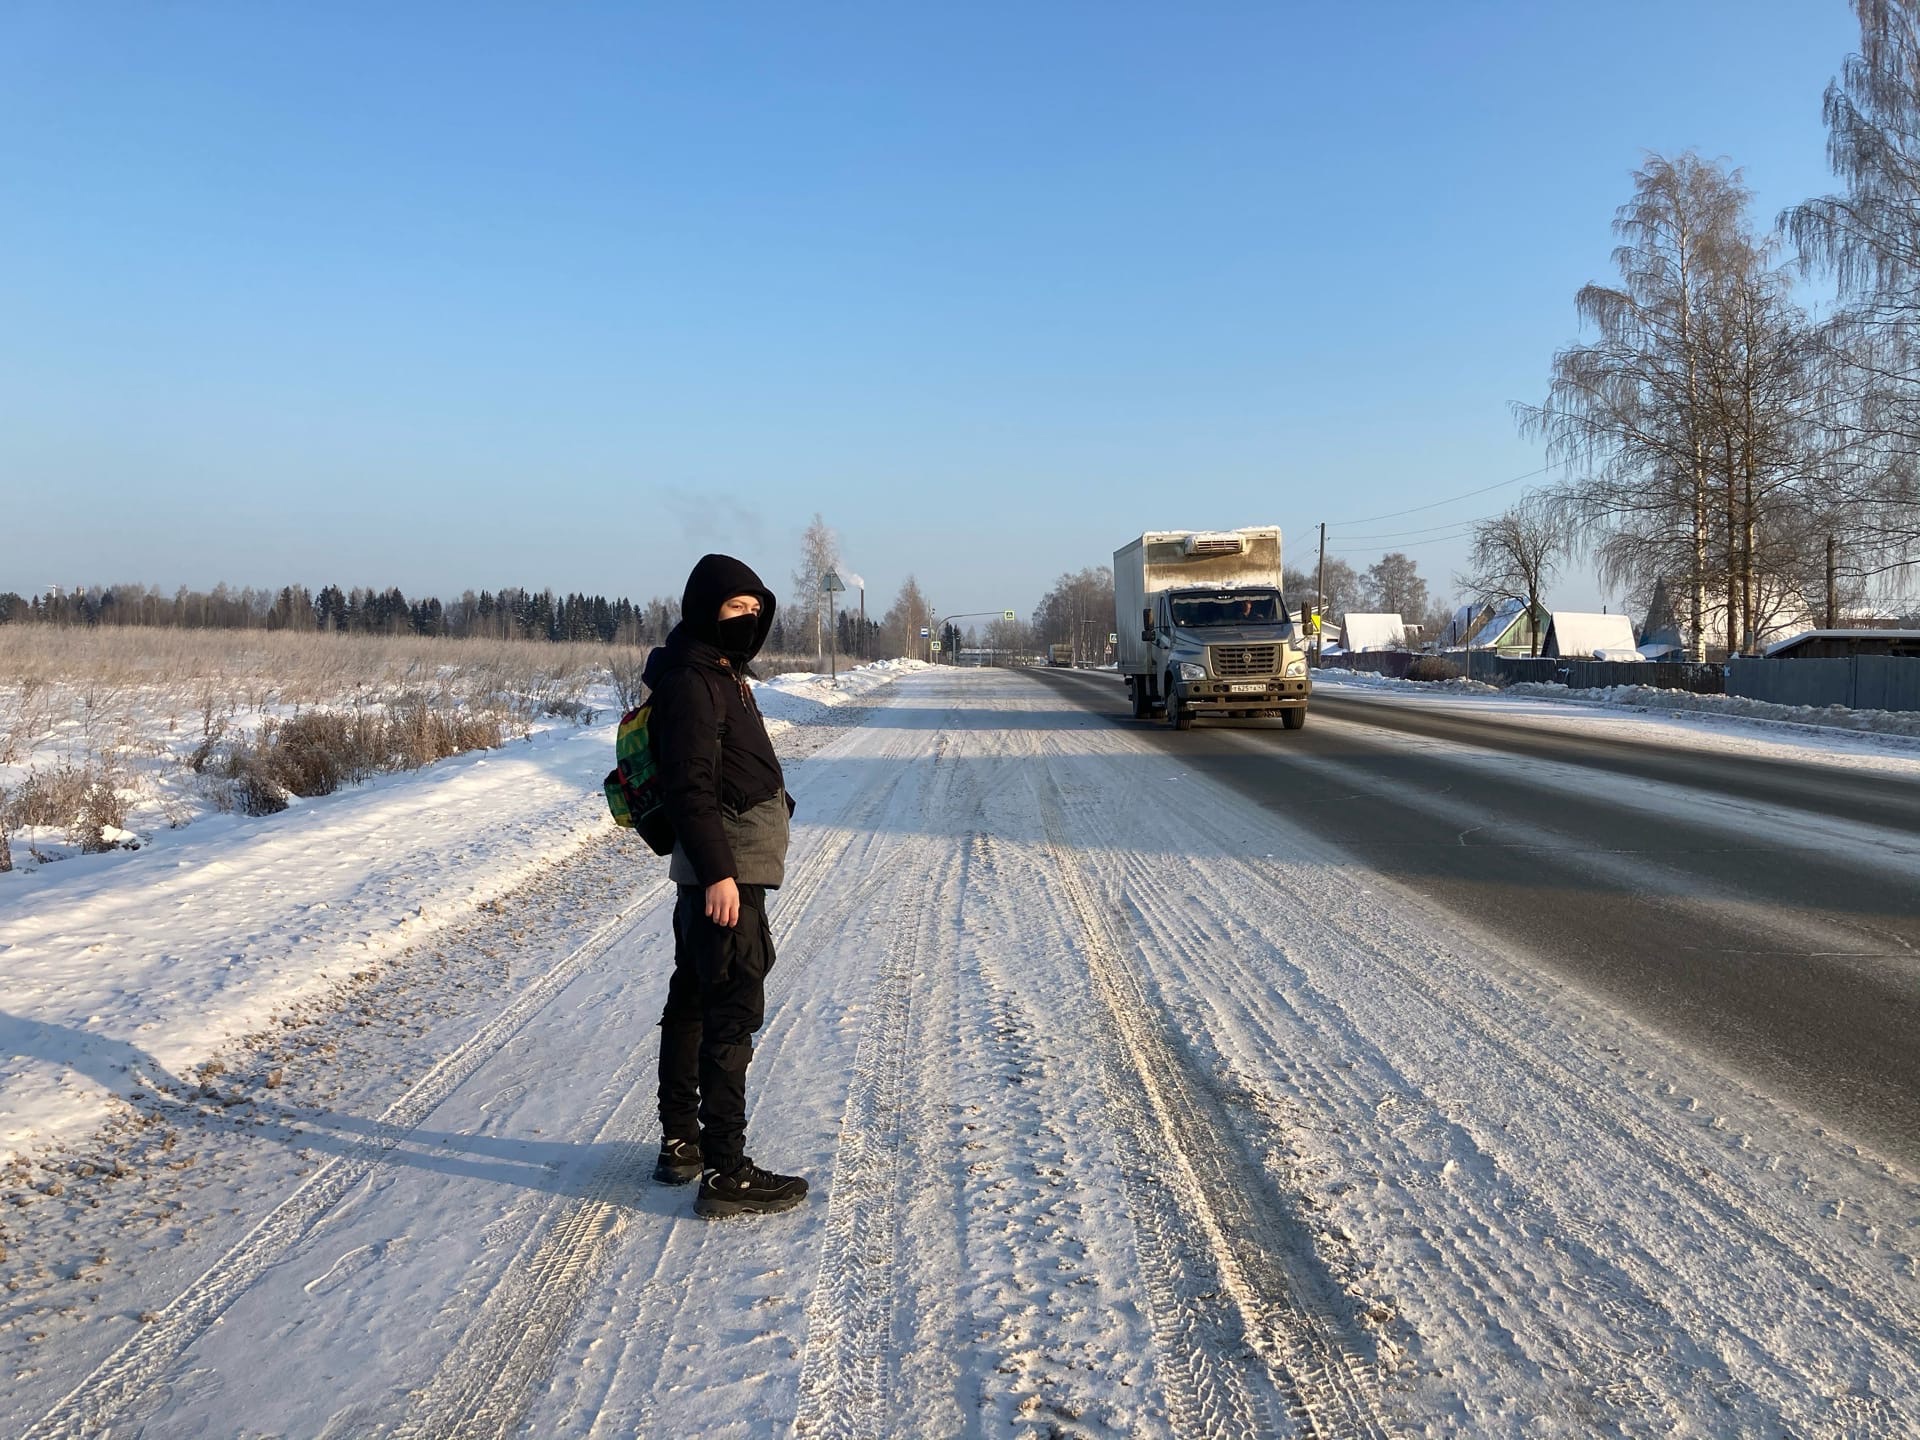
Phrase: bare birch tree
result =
(1516, 555)
(1696, 413)
(1630, 406)
(1392, 583)
(900, 627)
(819, 554)
(1868, 238)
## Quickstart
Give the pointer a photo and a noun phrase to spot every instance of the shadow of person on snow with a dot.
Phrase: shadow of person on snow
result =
(114, 1065)
(593, 1169)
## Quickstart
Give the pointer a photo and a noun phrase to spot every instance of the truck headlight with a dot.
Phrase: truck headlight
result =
(1191, 671)
(1296, 667)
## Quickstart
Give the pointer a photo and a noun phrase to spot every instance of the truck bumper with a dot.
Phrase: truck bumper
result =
(1205, 697)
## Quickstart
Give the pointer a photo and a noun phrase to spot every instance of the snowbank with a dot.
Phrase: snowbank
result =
(1648, 697)
(1334, 675)
(1652, 698)
(805, 699)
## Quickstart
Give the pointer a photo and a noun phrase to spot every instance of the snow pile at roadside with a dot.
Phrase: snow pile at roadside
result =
(119, 965)
(1650, 697)
(147, 962)
(805, 699)
(1337, 676)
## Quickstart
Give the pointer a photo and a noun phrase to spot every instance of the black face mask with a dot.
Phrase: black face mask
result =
(737, 633)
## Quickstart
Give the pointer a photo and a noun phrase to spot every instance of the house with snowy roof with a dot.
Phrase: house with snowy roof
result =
(1574, 635)
(1373, 632)
(1464, 622)
(1839, 644)
(1510, 628)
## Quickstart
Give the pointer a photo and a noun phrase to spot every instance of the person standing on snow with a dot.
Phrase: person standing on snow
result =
(723, 788)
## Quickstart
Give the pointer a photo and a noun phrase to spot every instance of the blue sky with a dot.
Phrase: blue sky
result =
(449, 295)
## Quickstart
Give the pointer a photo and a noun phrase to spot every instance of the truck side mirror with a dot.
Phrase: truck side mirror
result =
(1146, 624)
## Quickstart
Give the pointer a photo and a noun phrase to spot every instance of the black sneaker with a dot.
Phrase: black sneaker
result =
(679, 1162)
(748, 1190)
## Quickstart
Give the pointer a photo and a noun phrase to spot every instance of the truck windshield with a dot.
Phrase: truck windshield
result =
(1227, 607)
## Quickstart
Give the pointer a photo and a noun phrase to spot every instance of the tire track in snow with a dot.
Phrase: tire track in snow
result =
(145, 1357)
(1480, 1254)
(1201, 1346)
(1633, 1295)
(1198, 1343)
(843, 1391)
(1635, 1146)
(1322, 1365)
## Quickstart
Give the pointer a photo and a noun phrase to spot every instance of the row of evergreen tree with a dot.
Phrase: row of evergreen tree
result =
(508, 614)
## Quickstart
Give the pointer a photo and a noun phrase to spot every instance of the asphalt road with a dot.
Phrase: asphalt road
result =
(1782, 945)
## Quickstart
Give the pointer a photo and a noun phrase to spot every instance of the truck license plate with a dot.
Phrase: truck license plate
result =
(1247, 689)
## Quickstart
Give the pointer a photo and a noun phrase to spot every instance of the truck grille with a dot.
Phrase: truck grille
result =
(1230, 661)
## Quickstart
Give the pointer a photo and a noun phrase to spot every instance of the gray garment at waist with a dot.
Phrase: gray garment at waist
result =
(758, 838)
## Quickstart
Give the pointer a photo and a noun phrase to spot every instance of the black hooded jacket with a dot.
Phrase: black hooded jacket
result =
(708, 736)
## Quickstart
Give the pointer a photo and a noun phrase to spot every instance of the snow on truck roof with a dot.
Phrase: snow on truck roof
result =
(1193, 537)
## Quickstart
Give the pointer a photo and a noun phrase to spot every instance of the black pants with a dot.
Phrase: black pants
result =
(715, 1002)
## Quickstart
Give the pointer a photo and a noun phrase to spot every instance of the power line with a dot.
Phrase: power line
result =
(1412, 545)
(1450, 500)
(1431, 529)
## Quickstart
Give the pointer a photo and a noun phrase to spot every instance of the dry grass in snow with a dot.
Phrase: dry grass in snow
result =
(107, 735)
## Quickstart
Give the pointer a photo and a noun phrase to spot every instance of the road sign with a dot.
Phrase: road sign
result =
(1113, 637)
(1006, 614)
(935, 647)
(832, 581)
(925, 632)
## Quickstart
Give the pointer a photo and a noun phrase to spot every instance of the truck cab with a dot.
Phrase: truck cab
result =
(1228, 652)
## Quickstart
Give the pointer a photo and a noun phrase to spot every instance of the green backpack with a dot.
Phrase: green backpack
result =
(633, 785)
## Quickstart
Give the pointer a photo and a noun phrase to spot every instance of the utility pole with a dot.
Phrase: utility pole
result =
(832, 584)
(1320, 597)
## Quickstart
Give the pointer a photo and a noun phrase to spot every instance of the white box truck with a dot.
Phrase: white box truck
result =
(1204, 628)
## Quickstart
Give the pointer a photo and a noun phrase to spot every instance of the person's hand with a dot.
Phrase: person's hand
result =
(723, 903)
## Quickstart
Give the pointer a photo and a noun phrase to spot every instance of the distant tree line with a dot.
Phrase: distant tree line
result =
(508, 614)
(800, 627)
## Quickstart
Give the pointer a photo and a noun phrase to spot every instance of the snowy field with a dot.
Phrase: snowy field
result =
(117, 738)
(1131, 1107)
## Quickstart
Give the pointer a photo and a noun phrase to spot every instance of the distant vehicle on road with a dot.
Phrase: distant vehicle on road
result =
(1060, 655)
(1204, 628)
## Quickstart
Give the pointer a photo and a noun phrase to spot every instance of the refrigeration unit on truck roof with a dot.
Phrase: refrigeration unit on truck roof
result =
(1216, 559)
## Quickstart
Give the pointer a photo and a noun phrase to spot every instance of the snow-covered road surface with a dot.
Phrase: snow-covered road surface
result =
(1135, 1105)
(1752, 898)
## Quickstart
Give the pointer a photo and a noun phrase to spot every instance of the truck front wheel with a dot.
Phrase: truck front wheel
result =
(1179, 716)
(1294, 719)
